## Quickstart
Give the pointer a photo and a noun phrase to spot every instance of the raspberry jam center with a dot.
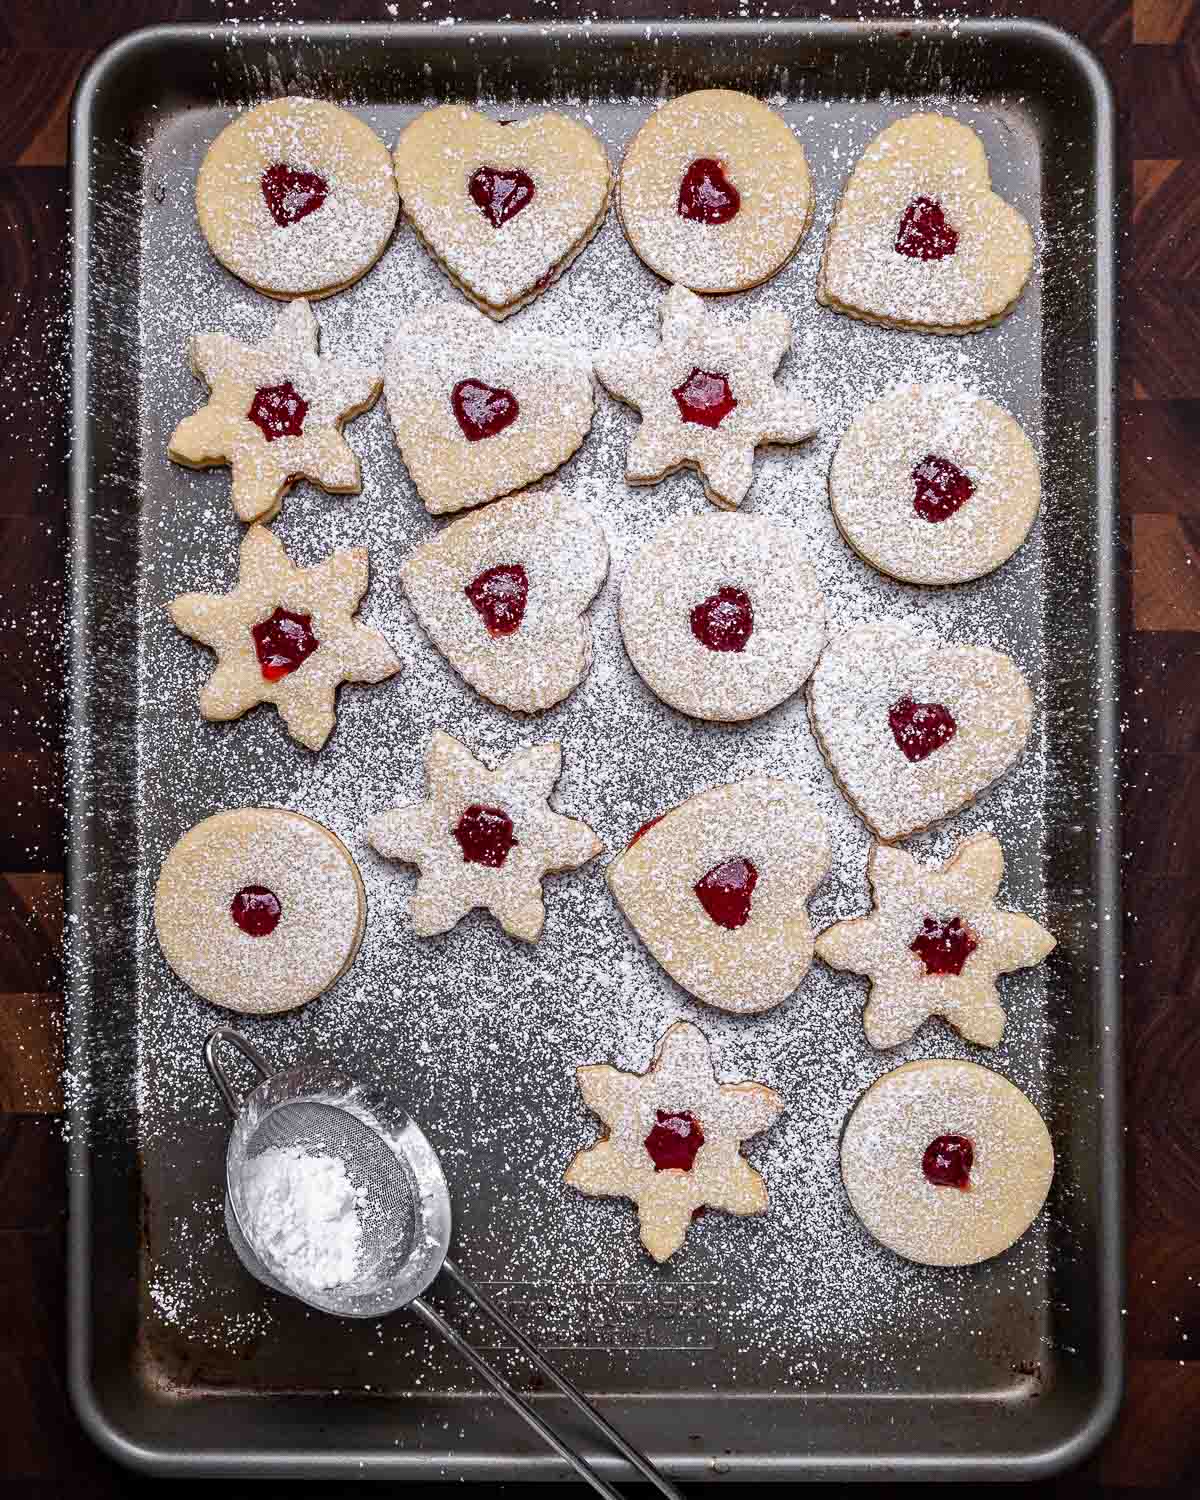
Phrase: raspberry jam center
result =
(283, 642)
(706, 194)
(948, 1161)
(943, 947)
(939, 488)
(920, 728)
(725, 892)
(278, 411)
(483, 410)
(499, 595)
(674, 1140)
(500, 193)
(256, 910)
(704, 397)
(724, 621)
(485, 835)
(290, 195)
(923, 233)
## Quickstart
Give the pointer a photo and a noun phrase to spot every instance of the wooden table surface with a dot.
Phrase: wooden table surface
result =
(1152, 51)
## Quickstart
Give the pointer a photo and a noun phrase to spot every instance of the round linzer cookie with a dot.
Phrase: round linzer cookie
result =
(259, 910)
(478, 411)
(504, 207)
(945, 1162)
(714, 192)
(503, 595)
(672, 1139)
(933, 484)
(912, 727)
(722, 616)
(297, 198)
(717, 889)
(935, 943)
(919, 240)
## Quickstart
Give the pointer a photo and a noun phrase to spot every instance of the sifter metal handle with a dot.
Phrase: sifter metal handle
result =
(233, 1100)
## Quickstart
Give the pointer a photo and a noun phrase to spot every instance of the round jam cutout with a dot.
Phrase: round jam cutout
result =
(939, 488)
(724, 621)
(704, 398)
(256, 910)
(278, 411)
(282, 643)
(485, 835)
(290, 195)
(706, 195)
(674, 1140)
(948, 1161)
(499, 595)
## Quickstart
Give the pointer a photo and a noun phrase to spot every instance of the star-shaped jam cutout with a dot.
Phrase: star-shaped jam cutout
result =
(484, 838)
(679, 1086)
(264, 631)
(935, 943)
(707, 395)
(275, 413)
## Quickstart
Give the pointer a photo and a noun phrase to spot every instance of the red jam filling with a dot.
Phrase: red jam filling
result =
(948, 1161)
(278, 411)
(290, 195)
(920, 728)
(499, 193)
(924, 233)
(283, 642)
(485, 835)
(256, 910)
(943, 947)
(674, 1140)
(725, 891)
(704, 397)
(706, 194)
(499, 595)
(939, 488)
(724, 621)
(483, 410)
(645, 828)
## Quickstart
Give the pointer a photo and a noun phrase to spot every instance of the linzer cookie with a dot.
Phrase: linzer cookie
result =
(672, 1139)
(722, 616)
(933, 484)
(503, 207)
(297, 198)
(714, 192)
(479, 411)
(707, 396)
(919, 240)
(717, 889)
(935, 943)
(914, 728)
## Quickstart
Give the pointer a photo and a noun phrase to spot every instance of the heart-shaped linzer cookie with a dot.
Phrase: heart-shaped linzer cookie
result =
(503, 209)
(919, 240)
(915, 728)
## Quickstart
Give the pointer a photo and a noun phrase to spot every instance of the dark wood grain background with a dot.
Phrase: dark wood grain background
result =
(1152, 51)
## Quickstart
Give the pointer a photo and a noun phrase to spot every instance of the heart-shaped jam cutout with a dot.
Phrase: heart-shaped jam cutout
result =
(924, 233)
(724, 621)
(939, 488)
(278, 411)
(706, 194)
(499, 595)
(256, 910)
(674, 1140)
(500, 194)
(283, 643)
(483, 410)
(948, 1161)
(943, 947)
(485, 835)
(920, 728)
(725, 892)
(704, 397)
(290, 195)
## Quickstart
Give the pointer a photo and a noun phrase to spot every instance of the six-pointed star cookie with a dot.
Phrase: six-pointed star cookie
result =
(935, 943)
(707, 396)
(275, 413)
(672, 1138)
(484, 838)
(286, 636)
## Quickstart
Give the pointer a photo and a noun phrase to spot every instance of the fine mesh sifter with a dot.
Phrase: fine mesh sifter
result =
(404, 1217)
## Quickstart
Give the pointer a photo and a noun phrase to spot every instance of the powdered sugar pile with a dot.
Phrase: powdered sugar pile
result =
(302, 1214)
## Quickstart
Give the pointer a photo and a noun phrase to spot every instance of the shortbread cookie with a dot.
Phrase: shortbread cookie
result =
(286, 635)
(480, 412)
(259, 910)
(275, 413)
(935, 943)
(484, 838)
(919, 240)
(503, 207)
(503, 593)
(933, 484)
(707, 396)
(671, 1139)
(717, 890)
(722, 616)
(714, 191)
(914, 728)
(297, 198)
(945, 1162)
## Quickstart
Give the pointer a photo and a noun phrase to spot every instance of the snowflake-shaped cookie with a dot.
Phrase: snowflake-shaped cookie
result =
(707, 396)
(484, 838)
(275, 413)
(672, 1138)
(935, 943)
(287, 636)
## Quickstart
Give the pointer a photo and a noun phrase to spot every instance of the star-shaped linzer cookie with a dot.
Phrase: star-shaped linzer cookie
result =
(707, 396)
(484, 838)
(672, 1138)
(275, 413)
(287, 636)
